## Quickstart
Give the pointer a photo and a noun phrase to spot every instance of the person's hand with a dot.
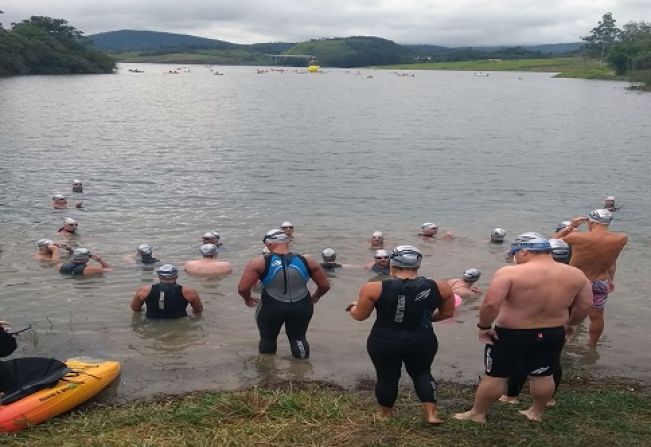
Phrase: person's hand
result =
(611, 286)
(475, 289)
(350, 306)
(570, 330)
(95, 257)
(578, 221)
(487, 336)
(251, 302)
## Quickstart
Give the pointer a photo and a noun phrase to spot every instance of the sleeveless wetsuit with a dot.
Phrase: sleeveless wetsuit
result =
(72, 268)
(403, 333)
(330, 266)
(380, 270)
(166, 301)
(285, 300)
(147, 260)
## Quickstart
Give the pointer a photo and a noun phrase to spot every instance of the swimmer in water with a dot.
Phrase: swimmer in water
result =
(166, 300)
(59, 202)
(211, 237)
(288, 228)
(77, 186)
(406, 305)
(47, 251)
(329, 264)
(377, 239)
(78, 265)
(609, 203)
(208, 265)
(145, 255)
(464, 286)
(380, 264)
(498, 235)
(69, 227)
(430, 230)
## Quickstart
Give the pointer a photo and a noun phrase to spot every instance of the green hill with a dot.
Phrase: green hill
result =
(131, 40)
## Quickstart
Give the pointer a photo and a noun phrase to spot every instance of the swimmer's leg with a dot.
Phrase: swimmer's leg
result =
(490, 389)
(270, 320)
(597, 323)
(296, 324)
(418, 363)
(386, 358)
(514, 384)
(542, 391)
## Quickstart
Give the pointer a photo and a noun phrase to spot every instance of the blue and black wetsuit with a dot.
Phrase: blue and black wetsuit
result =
(285, 300)
(166, 301)
(72, 268)
(403, 333)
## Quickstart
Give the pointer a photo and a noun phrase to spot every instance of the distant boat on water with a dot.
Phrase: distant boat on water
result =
(479, 73)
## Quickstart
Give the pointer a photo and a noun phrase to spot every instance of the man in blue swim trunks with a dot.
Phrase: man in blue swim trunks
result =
(534, 305)
(595, 253)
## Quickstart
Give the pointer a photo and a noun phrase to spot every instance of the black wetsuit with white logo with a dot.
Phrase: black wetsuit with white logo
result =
(285, 300)
(166, 301)
(403, 333)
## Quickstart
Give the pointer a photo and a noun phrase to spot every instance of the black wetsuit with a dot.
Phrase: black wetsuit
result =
(7, 343)
(380, 270)
(403, 333)
(72, 268)
(148, 260)
(285, 300)
(166, 301)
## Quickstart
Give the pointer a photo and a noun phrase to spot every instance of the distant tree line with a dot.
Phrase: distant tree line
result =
(626, 50)
(471, 54)
(43, 45)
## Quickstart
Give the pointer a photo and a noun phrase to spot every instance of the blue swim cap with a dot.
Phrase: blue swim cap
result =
(530, 241)
(406, 256)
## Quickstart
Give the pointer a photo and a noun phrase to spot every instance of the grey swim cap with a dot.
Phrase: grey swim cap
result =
(286, 224)
(429, 226)
(209, 249)
(76, 182)
(81, 254)
(563, 225)
(43, 243)
(211, 235)
(58, 197)
(406, 256)
(275, 237)
(145, 250)
(498, 235)
(380, 254)
(328, 255)
(601, 216)
(167, 271)
(560, 250)
(530, 241)
(471, 275)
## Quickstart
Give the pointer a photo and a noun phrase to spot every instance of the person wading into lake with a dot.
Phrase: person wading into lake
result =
(285, 298)
(167, 299)
(208, 265)
(465, 286)
(406, 305)
(595, 253)
(534, 305)
(380, 264)
(78, 265)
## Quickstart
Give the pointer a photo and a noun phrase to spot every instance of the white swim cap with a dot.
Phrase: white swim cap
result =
(429, 226)
(286, 224)
(610, 198)
(211, 235)
(275, 236)
(601, 216)
(167, 271)
(58, 197)
(76, 182)
(69, 221)
(145, 249)
(43, 243)
(209, 249)
(498, 235)
(377, 234)
(380, 254)
(406, 256)
(471, 275)
(328, 255)
(81, 254)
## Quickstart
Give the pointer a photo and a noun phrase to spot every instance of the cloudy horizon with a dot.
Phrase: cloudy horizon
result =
(433, 22)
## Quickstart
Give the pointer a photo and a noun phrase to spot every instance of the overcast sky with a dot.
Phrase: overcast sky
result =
(438, 22)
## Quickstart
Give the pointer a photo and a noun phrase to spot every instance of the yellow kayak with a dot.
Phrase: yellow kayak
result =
(83, 381)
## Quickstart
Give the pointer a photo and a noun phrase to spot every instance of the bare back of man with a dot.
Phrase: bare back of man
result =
(207, 267)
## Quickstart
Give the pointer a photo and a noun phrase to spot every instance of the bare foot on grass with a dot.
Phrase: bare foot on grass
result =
(469, 416)
(531, 415)
(509, 400)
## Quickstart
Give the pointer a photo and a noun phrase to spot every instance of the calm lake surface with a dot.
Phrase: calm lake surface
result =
(165, 158)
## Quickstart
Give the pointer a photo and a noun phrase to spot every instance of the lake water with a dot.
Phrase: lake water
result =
(165, 158)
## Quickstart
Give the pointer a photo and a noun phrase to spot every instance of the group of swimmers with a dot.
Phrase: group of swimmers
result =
(534, 304)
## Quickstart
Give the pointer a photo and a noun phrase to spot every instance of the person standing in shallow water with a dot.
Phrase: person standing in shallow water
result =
(406, 305)
(535, 304)
(286, 299)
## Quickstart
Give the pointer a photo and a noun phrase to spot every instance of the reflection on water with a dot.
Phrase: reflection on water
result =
(164, 159)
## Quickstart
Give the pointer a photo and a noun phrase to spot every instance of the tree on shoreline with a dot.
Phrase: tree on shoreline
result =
(602, 37)
(43, 45)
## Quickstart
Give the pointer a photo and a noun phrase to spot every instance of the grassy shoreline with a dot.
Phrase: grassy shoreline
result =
(612, 413)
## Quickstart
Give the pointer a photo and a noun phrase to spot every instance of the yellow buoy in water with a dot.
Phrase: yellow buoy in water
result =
(313, 68)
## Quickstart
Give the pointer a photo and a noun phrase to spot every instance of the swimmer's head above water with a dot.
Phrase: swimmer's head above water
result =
(70, 225)
(471, 275)
(560, 250)
(209, 250)
(167, 271)
(600, 216)
(287, 228)
(275, 236)
(429, 229)
(211, 237)
(498, 235)
(144, 250)
(609, 202)
(405, 256)
(329, 255)
(377, 239)
(77, 186)
(81, 255)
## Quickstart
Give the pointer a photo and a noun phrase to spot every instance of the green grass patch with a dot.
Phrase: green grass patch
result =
(318, 415)
(566, 67)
